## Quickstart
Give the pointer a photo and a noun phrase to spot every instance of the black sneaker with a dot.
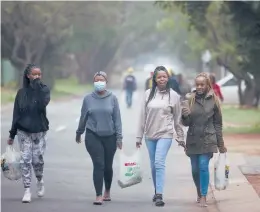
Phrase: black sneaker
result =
(159, 200)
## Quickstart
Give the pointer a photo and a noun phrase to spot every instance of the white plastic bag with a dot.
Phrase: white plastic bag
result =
(10, 163)
(221, 172)
(130, 170)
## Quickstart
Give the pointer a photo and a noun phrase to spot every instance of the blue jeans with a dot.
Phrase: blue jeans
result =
(200, 172)
(129, 95)
(158, 150)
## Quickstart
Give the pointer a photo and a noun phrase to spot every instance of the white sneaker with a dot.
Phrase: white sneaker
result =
(40, 188)
(27, 196)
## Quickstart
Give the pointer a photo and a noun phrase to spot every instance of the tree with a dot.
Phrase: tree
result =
(113, 34)
(222, 24)
(185, 42)
(246, 18)
(32, 32)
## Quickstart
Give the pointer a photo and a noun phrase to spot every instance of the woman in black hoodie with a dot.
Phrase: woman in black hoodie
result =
(30, 124)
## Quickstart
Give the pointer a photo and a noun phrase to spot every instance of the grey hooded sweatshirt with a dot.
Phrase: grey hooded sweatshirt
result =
(101, 115)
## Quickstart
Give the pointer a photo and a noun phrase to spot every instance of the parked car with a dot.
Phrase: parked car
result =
(229, 89)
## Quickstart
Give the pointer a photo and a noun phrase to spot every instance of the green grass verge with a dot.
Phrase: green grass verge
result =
(69, 87)
(238, 120)
(62, 88)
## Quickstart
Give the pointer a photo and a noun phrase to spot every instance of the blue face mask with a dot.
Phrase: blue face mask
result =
(100, 86)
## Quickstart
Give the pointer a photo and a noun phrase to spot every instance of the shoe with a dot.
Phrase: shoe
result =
(27, 196)
(159, 200)
(40, 188)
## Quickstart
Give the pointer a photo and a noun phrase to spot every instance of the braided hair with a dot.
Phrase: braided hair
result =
(210, 87)
(23, 101)
(154, 83)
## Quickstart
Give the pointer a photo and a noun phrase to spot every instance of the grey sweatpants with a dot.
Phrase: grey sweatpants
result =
(32, 147)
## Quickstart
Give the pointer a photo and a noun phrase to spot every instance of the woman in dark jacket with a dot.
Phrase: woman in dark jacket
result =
(100, 117)
(202, 114)
(30, 124)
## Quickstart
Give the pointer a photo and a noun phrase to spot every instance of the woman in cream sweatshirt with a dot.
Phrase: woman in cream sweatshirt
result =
(159, 125)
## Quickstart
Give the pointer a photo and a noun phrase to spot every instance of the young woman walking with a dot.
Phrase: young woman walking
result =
(30, 124)
(202, 114)
(159, 125)
(101, 118)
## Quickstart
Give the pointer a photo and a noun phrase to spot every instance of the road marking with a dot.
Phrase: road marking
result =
(60, 128)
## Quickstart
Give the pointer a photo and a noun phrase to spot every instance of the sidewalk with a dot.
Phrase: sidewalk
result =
(179, 193)
(240, 195)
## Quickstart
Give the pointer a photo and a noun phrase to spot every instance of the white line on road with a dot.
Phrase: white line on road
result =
(60, 128)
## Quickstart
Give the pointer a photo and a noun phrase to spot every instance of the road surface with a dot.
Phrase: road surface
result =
(68, 169)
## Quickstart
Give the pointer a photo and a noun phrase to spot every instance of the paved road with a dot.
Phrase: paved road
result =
(68, 172)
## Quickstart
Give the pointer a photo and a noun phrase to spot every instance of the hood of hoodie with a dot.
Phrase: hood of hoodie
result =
(97, 96)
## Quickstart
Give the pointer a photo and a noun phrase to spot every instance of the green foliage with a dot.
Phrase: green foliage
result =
(185, 41)
(231, 29)
(33, 32)
(246, 16)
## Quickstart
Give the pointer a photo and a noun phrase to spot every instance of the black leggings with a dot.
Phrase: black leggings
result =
(102, 151)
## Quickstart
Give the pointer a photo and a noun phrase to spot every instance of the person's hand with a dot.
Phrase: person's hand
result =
(78, 139)
(119, 145)
(222, 149)
(182, 144)
(185, 111)
(10, 141)
(138, 144)
(36, 82)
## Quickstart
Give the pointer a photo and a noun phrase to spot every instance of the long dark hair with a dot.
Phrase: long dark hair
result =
(154, 83)
(23, 101)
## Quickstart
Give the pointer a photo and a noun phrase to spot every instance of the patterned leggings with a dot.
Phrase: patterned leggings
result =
(32, 147)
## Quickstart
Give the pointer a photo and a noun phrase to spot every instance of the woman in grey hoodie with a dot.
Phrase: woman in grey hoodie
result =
(160, 124)
(100, 116)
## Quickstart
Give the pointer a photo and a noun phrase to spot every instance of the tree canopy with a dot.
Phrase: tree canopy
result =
(98, 34)
(231, 33)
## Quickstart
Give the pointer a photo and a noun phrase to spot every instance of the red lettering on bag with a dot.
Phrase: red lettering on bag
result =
(130, 164)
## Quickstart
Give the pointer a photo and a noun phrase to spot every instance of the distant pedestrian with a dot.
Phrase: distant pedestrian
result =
(30, 124)
(160, 124)
(202, 114)
(174, 84)
(216, 87)
(101, 118)
(129, 86)
(149, 81)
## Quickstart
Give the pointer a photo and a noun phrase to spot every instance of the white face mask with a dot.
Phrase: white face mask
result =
(100, 85)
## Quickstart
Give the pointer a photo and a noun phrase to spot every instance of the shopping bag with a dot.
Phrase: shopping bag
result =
(130, 170)
(221, 172)
(10, 163)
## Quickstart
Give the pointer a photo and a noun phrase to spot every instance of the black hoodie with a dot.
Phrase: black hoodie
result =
(31, 118)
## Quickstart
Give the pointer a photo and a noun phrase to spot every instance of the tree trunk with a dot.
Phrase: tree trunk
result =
(257, 91)
(240, 93)
(83, 63)
(249, 96)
